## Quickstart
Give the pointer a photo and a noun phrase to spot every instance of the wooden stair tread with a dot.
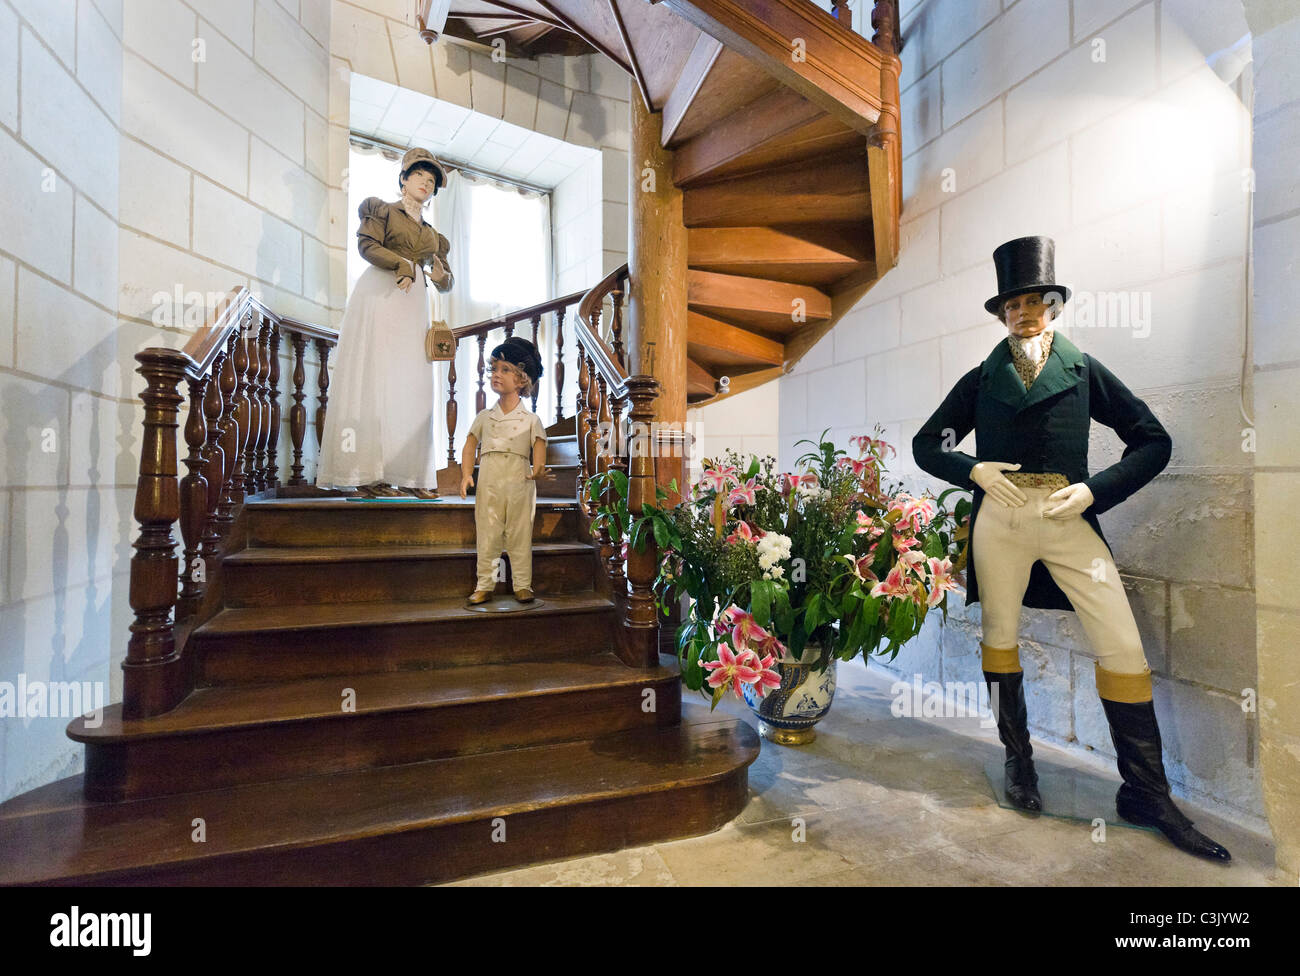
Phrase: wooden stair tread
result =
(53, 833)
(233, 620)
(446, 501)
(232, 706)
(334, 554)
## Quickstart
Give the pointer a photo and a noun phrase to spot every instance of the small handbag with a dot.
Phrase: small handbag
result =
(439, 342)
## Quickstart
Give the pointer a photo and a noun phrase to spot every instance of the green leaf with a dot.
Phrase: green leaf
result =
(761, 601)
(717, 697)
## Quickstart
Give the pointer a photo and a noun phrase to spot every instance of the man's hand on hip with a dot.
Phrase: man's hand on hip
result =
(1070, 501)
(988, 475)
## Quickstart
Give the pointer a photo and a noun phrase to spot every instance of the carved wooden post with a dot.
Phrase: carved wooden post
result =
(253, 395)
(617, 461)
(241, 416)
(840, 10)
(194, 502)
(229, 383)
(884, 139)
(323, 385)
(297, 412)
(591, 417)
(616, 323)
(559, 366)
(602, 432)
(214, 460)
(579, 413)
(273, 385)
(452, 410)
(263, 343)
(640, 645)
(151, 681)
(537, 324)
(480, 398)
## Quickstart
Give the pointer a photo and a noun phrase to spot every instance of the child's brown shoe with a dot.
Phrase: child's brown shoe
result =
(479, 596)
(524, 596)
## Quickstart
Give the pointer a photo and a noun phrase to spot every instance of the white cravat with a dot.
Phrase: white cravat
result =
(1032, 346)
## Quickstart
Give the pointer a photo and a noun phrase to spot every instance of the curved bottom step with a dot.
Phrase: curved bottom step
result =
(420, 823)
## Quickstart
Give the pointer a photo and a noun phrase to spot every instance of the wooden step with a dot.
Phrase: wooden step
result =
(242, 645)
(562, 449)
(372, 522)
(233, 736)
(296, 575)
(419, 823)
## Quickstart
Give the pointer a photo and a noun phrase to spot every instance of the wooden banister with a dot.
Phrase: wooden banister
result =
(230, 367)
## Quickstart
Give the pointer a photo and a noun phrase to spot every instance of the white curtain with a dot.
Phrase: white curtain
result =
(501, 258)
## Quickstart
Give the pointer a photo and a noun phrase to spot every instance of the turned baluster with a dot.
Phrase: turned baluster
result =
(592, 418)
(640, 645)
(841, 12)
(229, 383)
(240, 416)
(194, 502)
(271, 477)
(603, 421)
(559, 365)
(510, 329)
(253, 395)
(151, 676)
(579, 413)
(617, 462)
(323, 388)
(537, 324)
(260, 478)
(480, 398)
(214, 460)
(616, 322)
(451, 412)
(884, 20)
(298, 412)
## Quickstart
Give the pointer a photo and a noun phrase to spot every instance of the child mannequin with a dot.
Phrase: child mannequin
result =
(513, 459)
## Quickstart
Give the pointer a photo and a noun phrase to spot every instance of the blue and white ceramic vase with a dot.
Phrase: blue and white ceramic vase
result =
(786, 715)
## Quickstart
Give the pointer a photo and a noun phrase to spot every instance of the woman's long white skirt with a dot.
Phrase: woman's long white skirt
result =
(379, 418)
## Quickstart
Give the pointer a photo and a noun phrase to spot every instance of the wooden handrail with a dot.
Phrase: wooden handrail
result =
(518, 315)
(599, 352)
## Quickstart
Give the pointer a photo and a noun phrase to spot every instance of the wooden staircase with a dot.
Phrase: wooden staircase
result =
(320, 706)
(354, 722)
(783, 127)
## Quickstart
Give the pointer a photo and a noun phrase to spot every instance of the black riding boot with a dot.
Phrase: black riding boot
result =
(1144, 798)
(1013, 730)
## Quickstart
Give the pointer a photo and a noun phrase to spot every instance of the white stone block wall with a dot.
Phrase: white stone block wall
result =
(67, 448)
(1276, 377)
(1101, 125)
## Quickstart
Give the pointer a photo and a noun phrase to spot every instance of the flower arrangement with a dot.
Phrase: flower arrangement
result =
(775, 563)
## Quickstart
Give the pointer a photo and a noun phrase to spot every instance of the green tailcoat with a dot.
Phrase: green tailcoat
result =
(1043, 429)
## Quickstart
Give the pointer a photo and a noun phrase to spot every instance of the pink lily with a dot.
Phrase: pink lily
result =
(745, 533)
(767, 678)
(744, 629)
(895, 584)
(731, 669)
(719, 479)
(862, 568)
(743, 493)
(940, 579)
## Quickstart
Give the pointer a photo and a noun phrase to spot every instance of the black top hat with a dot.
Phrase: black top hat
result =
(520, 352)
(1024, 265)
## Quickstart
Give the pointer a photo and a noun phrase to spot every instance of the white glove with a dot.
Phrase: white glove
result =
(1072, 500)
(988, 475)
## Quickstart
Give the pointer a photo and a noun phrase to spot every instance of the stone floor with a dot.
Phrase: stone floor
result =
(902, 801)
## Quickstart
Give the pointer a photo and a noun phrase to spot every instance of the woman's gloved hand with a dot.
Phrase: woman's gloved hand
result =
(988, 475)
(1071, 501)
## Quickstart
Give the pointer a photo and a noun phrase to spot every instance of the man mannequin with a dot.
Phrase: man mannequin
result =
(1038, 543)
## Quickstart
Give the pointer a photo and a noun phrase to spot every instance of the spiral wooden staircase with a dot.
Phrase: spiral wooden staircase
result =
(306, 698)
(782, 124)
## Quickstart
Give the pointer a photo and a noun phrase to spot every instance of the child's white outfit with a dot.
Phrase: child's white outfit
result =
(505, 501)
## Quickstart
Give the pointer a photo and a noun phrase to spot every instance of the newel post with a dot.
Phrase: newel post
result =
(152, 674)
(640, 637)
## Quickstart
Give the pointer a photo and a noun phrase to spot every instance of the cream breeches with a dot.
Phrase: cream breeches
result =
(1006, 543)
(505, 503)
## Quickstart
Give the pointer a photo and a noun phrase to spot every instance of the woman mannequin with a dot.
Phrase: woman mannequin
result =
(379, 424)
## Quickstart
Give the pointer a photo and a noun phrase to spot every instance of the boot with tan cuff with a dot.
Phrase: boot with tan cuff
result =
(1144, 796)
(1002, 670)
